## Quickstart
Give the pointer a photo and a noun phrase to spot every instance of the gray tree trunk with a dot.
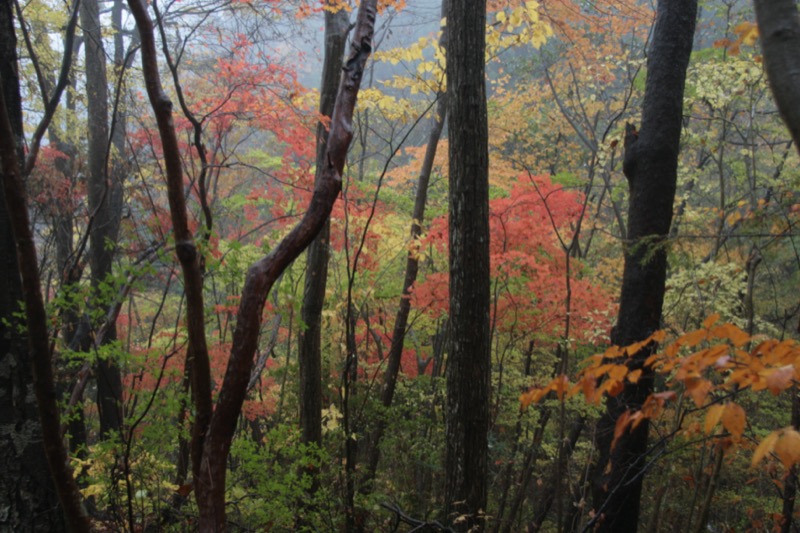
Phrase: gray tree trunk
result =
(104, 205)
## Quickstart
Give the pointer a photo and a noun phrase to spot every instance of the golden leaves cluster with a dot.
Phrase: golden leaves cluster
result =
(707, 365)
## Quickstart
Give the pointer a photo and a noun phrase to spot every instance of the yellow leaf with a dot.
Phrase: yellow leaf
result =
(733, 418)
(712, 417)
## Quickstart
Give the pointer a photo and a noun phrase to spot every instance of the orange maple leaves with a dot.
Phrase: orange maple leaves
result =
(709, 365)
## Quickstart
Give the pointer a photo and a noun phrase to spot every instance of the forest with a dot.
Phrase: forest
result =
(390, 266)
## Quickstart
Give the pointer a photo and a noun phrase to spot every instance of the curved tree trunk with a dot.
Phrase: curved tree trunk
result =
(651, 163)
(468, 364)
(213, 439)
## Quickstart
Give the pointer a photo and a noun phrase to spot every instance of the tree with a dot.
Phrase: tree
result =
(28, 492)
(105, 205)
(651, 162)
(309, 348)
(14, 171)
(468, 364)
(779, 27)
(213, 432)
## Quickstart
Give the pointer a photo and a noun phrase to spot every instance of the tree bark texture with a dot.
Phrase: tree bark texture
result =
(310, 339)
(468, 364)
(185, 247)
(779, 28)
(28, 499)
(104, 205)
(651, 162)
(25, 439)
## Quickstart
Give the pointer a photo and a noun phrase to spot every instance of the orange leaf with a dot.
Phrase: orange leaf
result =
(614, 388)
(693, 338)
(733, 418)
(665, 396)
(561, 385)
(698, 389)
(712, 417)
(711, 320)
(766, 446)
(634, 376)
(589, 386)
(779, 379)
(621, 426)
(733, 333)
(618, 373)
(788, 448)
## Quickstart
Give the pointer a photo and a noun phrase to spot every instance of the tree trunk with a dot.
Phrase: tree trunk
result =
(310, 339)
(468, 365)
(14, 369)
(27, 494)
(651, 162)
(105, 214)
(779, 28)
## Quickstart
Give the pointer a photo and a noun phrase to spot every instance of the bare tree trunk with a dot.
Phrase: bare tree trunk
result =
(651, 162)
(37, 352)
(105, 216)
(779, 28)
(310, 339)
(27, 493)
(468, 365)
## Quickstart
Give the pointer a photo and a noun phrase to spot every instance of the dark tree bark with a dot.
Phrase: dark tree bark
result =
(651, 162)
(310, 339)
(214, 438)
(185, 247)
(27, 494)
(779, 27)
(468, 364)
(393, 359)
(16, 358)
(104, 206)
